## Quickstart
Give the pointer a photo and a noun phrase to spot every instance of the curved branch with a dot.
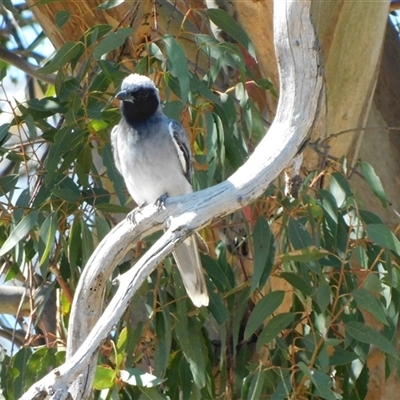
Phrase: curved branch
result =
(19, 62)
(301, 92)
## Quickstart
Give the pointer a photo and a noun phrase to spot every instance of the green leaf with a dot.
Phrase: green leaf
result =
(136, 377)
(256, 385)
(189, 338)
(340, 188)
(47, 235)
(152, 394)
(224, 21)
(217, 307)
(341, 357)
(63, 56)
(263, 309)
(370, 303)
(369, 217)
(113, 208)
(273, 328)
(8, 183)
(374, 182)
(109, 4)
(298, 235)
(163, 342)
(178, 66)
(62, 17)
(365, 334)
(383, 236)
(298, 282)
(104, 378)
(216, 273)
(4, 133)
(20, 231)
(261, 246)
(74, 242)
(323, 297)
(112, 41)
(306, 254)
(87, 242)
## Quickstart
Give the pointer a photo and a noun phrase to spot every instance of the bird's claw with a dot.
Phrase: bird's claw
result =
(160, 202)
(131, 217)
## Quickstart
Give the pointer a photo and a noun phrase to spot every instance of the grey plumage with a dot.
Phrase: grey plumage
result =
(152, 153)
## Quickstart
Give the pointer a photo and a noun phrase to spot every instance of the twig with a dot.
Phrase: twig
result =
(19, 62)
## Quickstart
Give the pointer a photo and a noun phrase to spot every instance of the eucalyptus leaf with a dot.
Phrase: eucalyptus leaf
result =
(274, 327)
(261, 246)
(374, 182)
(63, 56)
(20, 231)
(298, 235)
(366, 334)
(383, 236)
(112, 41)
(178, 65)
(224, 21)
(263, 309)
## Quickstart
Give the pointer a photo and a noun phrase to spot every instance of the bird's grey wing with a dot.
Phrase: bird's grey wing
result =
(188, 261)
(182, 146)
(114, 145)
(186, 254)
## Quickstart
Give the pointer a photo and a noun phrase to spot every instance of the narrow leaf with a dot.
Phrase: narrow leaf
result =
(47, 234)
(4, 133)
(374, 182)
(178, 65)
(8, 183)
(365, 334)
(263, 309)
(298, 235)
(20, 231)
(323, 297)
(256, 385)
(63, 56)
(368, 302)
(261, 244)
(273, 328)
(229, 25)
(298, 282)
(112, 41)
(383, 236)
(306, 254)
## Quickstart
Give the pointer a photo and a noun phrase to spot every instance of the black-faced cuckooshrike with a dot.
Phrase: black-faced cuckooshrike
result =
(153, 155)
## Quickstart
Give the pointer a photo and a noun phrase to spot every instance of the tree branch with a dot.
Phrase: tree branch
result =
(301, 91)
(19, 62)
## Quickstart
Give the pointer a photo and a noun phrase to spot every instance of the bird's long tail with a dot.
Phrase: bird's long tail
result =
(188, 260)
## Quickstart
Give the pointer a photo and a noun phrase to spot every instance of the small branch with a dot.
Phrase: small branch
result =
(19, 62)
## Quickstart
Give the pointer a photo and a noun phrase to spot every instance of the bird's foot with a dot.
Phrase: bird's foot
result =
(160, 202)
(131, 217)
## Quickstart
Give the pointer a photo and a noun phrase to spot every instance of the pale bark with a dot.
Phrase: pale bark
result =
(301, 92)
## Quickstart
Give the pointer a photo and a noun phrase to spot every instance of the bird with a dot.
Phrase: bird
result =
(152, 153)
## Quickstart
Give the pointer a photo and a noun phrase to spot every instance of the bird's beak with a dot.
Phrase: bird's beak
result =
(124, 96)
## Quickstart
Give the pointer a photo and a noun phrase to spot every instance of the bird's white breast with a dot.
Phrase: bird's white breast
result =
(150, 165)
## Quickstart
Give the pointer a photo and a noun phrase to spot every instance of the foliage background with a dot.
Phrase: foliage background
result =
(332, 264)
